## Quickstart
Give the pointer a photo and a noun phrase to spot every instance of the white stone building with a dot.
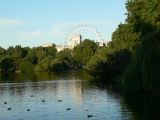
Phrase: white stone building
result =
(74, 40)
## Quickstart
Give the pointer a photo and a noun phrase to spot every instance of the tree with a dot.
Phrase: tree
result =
(31, 57)
(6, 64)
(144, 15)
(57, 65)
(125, 38)
(26, 66)
(84, 51)
(44, 65)
(51, 51)
(66, 56)
(144, 72)
(17, 52)
(2, 52)
(108, 63)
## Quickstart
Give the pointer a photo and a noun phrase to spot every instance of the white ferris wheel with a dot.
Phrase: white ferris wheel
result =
(85, 30)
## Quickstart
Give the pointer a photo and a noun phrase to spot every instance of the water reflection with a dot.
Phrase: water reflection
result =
(83, 96)
(43, 76)
(143, 106)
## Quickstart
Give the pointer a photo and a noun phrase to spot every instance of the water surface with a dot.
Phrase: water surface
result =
(83, 96)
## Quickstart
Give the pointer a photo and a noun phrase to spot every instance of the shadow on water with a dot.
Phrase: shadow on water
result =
(42, 76)
(140, 106)
(143, 106)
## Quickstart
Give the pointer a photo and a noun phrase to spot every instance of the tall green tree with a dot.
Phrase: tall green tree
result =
(66, 56)
(7, 64)
(108, 64)
(144, 70)
(144, 15)
(2, 52)
(125, 38)
(84, 51)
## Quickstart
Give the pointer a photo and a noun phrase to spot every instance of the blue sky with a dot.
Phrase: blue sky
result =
(34, 22)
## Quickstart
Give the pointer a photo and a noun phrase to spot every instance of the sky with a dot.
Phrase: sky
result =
(35, 22)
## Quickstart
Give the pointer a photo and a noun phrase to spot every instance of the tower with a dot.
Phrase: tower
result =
(75, 40)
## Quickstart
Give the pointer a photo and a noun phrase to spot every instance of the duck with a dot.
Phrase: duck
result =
(32, 95)
(43, 100)
(68, 108)
(59, 100)
(89, 116)
(5, 102)
(28, 109)
(9, 108)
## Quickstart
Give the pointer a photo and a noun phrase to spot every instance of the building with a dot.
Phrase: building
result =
(102, 44)
(61, 47)
(75, 40)
(47, 44)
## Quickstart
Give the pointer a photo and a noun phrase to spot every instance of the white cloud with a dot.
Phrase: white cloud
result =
(30, 35)
(37, 33)
(54, 31)
(8, 22)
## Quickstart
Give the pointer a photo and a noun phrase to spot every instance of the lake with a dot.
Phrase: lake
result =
(70, 96)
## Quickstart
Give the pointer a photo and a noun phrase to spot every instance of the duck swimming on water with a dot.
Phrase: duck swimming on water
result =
(90, 116)
(9, 108)
(32, 96)
(5, 102)
(59, 100)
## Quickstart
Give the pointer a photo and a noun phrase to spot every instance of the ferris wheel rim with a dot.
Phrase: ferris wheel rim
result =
(85, 26)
